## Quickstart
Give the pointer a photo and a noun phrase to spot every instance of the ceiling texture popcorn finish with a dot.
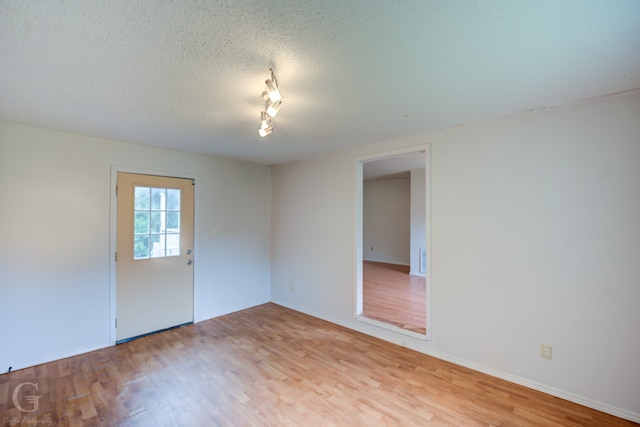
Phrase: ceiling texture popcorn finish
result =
(187, 75)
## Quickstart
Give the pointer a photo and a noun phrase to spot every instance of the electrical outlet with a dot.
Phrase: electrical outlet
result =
(546, 351)
(291, 287)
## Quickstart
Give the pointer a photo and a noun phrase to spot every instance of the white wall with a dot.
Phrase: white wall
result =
(55, 254)
(386, 221)
(535, 239)
(418, 239)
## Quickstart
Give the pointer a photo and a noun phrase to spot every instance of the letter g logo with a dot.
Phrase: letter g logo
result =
(31, 399)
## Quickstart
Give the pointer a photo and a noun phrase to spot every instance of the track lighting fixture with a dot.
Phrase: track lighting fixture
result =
(273, 100)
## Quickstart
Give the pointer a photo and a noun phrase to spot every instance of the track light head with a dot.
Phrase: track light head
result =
(265, 120)
(265, 131)
(272, 90)
(273, 108)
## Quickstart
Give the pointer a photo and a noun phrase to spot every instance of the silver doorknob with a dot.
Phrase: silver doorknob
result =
(188, 251)
(189, 262)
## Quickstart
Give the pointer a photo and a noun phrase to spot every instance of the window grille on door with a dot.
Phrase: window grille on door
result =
(156, 222)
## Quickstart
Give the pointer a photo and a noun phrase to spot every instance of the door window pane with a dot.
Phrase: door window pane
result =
(142, 198)
(173, 222)
(141, 225)
(157, 221)
(158, 245)
(173, 244)
(141, 246)
(173, 199)
(156, 224)
(158, 199)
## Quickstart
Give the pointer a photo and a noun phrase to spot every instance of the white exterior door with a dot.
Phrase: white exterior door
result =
(154, 253)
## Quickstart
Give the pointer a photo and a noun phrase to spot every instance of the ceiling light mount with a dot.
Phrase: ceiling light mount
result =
(273, 100)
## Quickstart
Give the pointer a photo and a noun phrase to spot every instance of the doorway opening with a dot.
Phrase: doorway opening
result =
(392, 249)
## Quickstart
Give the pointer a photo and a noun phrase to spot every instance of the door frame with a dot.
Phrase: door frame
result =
(113, 229)
(358, 252)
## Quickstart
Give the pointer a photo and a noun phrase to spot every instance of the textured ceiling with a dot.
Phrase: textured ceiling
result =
(188, 74)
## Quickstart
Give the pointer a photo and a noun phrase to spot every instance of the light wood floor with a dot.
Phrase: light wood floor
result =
(271, 366)
(391, 295)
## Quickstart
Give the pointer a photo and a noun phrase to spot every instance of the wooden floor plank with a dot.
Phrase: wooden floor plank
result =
(271, 366)
(391, 295)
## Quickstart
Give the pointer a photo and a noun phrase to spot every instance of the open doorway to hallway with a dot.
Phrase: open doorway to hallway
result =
(392, 287)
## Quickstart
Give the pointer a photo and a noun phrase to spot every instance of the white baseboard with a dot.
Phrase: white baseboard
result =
(54, 358)
(398, 340)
